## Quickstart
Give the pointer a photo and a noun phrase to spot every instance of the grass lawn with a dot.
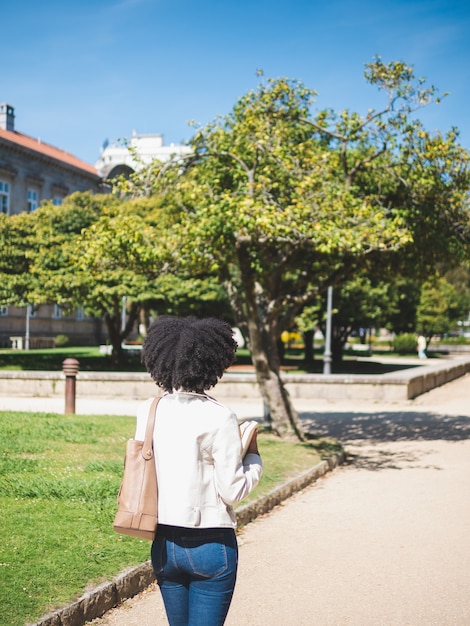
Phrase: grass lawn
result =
(91, 359)
(59, 476)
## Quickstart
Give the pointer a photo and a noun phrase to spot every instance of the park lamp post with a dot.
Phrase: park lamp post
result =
(327, 353)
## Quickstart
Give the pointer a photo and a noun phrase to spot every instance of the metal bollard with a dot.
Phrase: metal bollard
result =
(70, 368)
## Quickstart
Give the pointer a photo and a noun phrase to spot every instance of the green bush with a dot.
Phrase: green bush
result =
(405, 344)
(459, 341)
(61, 341)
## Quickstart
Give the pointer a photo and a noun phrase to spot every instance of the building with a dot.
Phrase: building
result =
(40, 326)
(124, 158)
(32, 170)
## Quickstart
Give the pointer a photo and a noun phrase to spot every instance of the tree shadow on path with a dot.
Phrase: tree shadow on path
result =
(365, 432)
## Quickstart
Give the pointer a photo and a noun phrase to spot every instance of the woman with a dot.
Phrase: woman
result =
(200, 471)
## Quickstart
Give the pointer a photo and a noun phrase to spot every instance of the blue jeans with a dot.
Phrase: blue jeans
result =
(196, 569)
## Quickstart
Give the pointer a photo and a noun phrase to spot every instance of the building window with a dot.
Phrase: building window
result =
(32, 200)
(57, 312)
(57, 200)
(4, 197)
(80, 314)
(3, 311)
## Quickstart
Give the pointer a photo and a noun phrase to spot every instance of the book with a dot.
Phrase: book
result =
(247, 430)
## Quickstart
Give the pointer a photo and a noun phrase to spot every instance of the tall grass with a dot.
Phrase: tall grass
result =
(59, 475)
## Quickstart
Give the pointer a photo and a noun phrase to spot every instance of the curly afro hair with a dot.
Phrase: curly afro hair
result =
(188, 353)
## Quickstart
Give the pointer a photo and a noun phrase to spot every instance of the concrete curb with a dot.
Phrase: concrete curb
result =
(130, 582)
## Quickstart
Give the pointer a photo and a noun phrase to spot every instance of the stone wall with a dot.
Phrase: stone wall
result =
(392, 387)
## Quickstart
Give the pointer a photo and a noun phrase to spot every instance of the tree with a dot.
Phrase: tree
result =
(116, 257)
(202, 296)
(271, 216)
(459, 278)
(281, 203)
(56, 229)
(404, 298)
(360, 303)
(32, 252)
(125, 254)
(438, 309)
(16, 244)
(92, 251)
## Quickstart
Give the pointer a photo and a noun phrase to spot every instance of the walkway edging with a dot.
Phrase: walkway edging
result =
(132, 581)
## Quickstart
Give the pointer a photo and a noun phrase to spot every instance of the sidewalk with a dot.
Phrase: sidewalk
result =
(110, 406)
(382, 541)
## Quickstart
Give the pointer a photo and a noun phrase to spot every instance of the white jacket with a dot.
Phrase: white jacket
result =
(200, 471)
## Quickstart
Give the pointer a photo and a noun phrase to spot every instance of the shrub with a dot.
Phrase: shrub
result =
(61, 341)
(460, 340)
(405, 344)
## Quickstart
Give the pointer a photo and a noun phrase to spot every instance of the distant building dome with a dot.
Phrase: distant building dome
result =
(118, 158)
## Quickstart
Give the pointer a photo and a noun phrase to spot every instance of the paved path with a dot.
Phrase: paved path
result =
(382, 541)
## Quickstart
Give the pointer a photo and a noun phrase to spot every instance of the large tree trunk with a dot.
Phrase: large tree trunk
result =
(309, 352)
(116, 333)
(263, 339)
(264, 351)
(338, 342)
(261, 322)
(113, 327)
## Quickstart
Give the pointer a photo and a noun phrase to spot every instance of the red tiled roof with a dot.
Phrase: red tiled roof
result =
(46, 149)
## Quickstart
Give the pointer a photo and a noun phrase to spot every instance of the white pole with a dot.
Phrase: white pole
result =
(123, 313)
(327, 353)
(26, 336)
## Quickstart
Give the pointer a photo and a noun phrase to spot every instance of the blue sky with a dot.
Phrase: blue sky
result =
(82, 71)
